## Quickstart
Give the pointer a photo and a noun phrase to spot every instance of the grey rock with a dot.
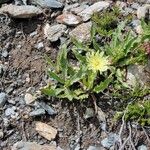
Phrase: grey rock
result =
(135, 6)
(33, 34)
(142, 147)
(47, 3)
(94, 148)
(142, 11)
(47, 108)
(1, 134)
(89, 113)
(110, 140)
(53, 33)
(137, 74)
(37, 112)
(32, 146)
(68, 8)
(82, 32)
(3, 99)
(135, 23)
(5, 54)
(39, 46)
(10, 111)
(24, 11)
(79, 9)
(96, 7)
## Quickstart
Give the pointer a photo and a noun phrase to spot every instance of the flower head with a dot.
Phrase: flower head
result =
(97, 62)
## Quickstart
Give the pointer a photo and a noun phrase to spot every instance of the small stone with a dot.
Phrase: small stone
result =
(23, 11)
(47, 3)
(135, 6)
(68, 19)
(68, 8)
(9, 111)
(53, 33)
(29, 98)
(39, 46)
(37, 112)
(3, 99)
(47, 108)
(82, 32)
(142, 11)
(33, 34)
(139, 29)
(1, 134)
(142, 147)
(45, 130)
(121, 5)
(89, 113)
(32, 146)
(96, 7)
(110, 140)
(79, 9)
(5, 54)
(135, 23)
(95, 148)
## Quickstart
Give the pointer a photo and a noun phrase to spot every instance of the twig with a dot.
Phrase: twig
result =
(130, 136)
(123, 145)
(146, 135)
(95, 105)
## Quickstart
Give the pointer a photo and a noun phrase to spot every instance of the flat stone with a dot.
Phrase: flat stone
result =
(79, 9)
(47, 3)
(32, 146)
(68, 19)
(45, 130)
(82, 32)
(137, 74)
(142, 11)
(95, 148)
(54, 32)
(142, 147)
(29, 98)
(39, 46)
(10, 111)
(3, 99)
(37, 112)
(24, 11)
(96, 7)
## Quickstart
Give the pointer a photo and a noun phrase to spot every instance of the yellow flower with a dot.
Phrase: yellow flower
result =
(97, 62)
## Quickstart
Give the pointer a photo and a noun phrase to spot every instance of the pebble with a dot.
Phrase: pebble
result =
(5, 54)
(82, 32)
(96, 7)
(135, 6)
(32, 146)
(23, 11)
(79, 9)
(33, 34)
(142, 11)
(10, 111)
(1, 134)
(110, 140)
(47, 108)
(37, 112)
(47, 3)
(3, 99)
(89, 113)
(68, 19)
(95, 148)
(39, 46)
(54, 32)
(29, 98)
(142, 147)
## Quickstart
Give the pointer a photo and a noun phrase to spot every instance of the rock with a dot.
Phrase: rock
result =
(96, 7)
(110, 140)
(3, 99)
(29, 98)
(143, 11)
(68, 8)
(68, 19)
(142, 147)
(47, 3)
(121, 5)
(32, 146)
(39, 46)
(5, 54)
(53, 33)
(4, 1)
(10, 111)
(139, 29)
(135, 23)
(33, 34)
(24, 11)
(82, 32)
(135, 6)
(89, 113)
(47, 108)
(95, 148)
(137, 74)
(45, 130)
(1, 134)
(37, 112)
(79, 9)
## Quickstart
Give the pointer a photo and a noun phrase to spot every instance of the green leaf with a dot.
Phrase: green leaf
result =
(103, 85)
(91, 77)
(76, 77)
(55, 76)
(49, 61)
(48, 91)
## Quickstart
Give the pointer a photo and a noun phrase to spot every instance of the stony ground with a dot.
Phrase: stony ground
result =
(23, 43)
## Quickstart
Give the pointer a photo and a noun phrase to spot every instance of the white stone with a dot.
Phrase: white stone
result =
(141, 12)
